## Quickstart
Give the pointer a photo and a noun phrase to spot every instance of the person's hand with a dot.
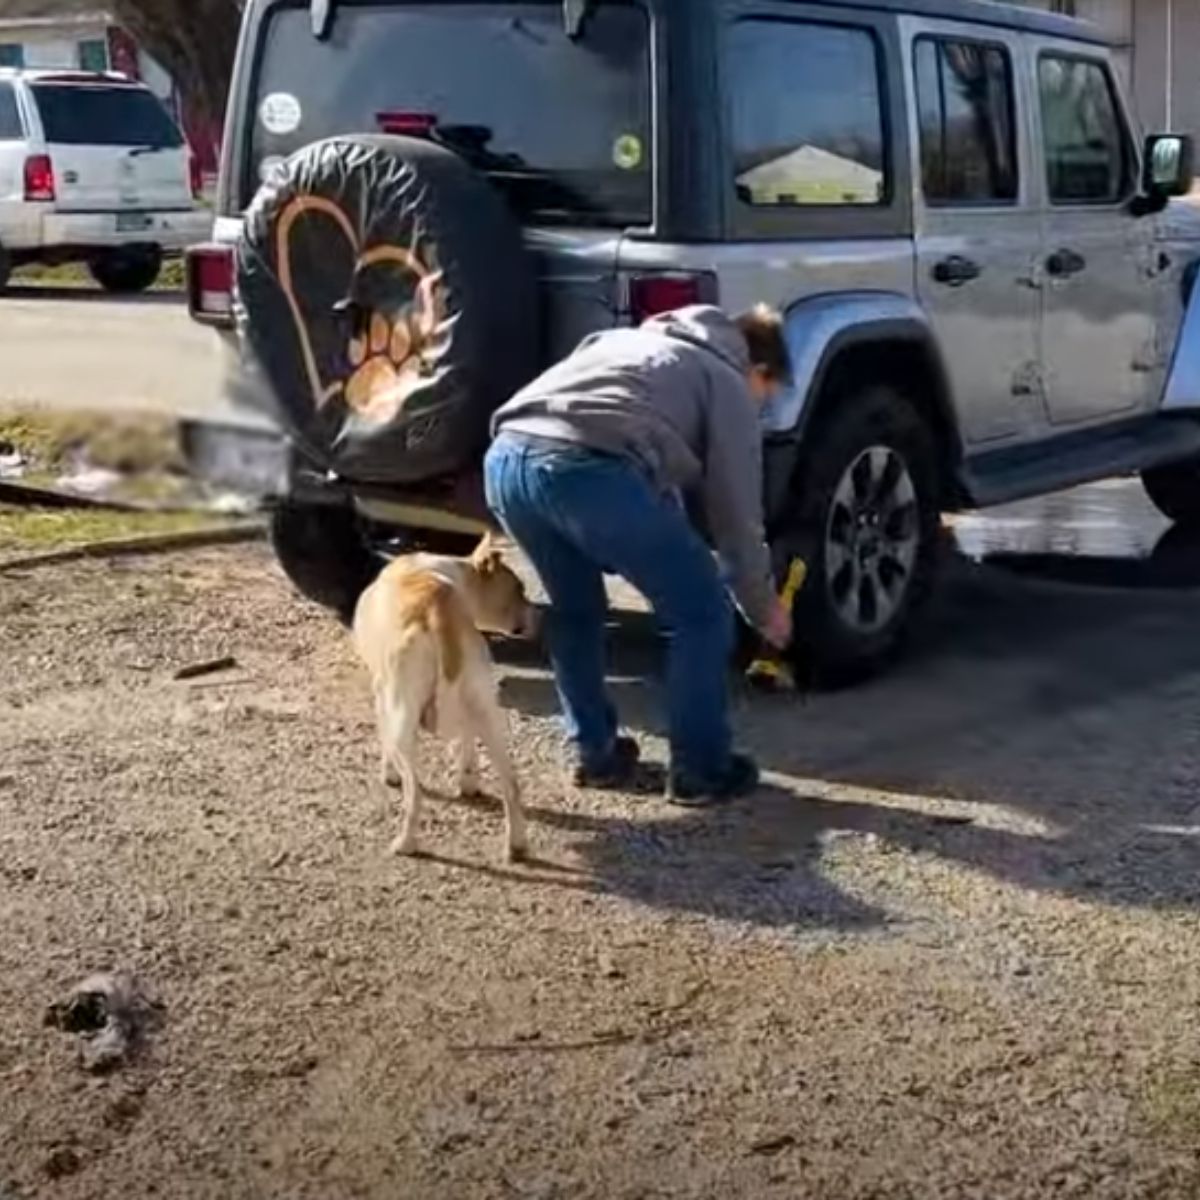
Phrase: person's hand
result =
(778, 628)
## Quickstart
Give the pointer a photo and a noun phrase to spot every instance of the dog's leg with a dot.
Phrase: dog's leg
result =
(401, 743)
(468, 764)
(389, 772)
(491, 725)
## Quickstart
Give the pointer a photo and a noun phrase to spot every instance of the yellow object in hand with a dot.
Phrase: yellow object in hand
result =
(771, 671)
(797, 574)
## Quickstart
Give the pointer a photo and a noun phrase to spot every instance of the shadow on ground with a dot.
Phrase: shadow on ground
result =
(1075, 708)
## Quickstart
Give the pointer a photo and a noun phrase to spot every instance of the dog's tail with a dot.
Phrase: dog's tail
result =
(445, 619)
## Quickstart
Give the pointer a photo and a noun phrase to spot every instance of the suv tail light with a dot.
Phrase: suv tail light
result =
(661, 292)
(210, 278)
(195, 174)
(39, 179)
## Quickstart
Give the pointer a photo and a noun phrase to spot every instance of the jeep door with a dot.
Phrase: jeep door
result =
(977, 228)
(1099, 329)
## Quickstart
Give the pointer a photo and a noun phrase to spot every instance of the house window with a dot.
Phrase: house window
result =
(12, 54)
(93, 55)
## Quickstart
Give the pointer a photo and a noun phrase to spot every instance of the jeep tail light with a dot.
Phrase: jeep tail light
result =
(39, 179)
(662, 292)
(195, 174)
(406, 124)
(210, 278)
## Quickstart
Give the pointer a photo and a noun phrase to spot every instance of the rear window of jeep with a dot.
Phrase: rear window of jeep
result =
(561, 125)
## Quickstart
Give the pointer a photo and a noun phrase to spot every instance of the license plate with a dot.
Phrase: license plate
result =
(134, 222)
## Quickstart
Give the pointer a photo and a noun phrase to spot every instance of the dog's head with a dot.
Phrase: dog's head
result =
(498, 595)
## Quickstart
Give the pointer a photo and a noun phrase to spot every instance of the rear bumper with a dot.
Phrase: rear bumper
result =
(172, 231)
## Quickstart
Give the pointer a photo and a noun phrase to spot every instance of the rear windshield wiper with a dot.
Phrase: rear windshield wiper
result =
(322, 12)
(575, 14)
(138, 151)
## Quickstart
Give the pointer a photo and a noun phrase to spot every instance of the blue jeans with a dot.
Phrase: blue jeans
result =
(577, 514)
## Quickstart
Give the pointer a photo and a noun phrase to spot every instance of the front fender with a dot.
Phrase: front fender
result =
(820, 328)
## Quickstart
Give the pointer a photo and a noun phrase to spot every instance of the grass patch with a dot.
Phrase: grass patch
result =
(128, 443)
(25, 530)
(76, 275)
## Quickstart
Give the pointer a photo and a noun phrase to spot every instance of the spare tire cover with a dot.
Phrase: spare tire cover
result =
(385, 290)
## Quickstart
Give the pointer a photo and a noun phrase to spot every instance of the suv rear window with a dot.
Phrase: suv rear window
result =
(95, 115)
(562, 126)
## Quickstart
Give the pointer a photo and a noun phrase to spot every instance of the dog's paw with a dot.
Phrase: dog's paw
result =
(517, 852)
(406, 847)
(392, 778)
(386, 361)
(469, 785)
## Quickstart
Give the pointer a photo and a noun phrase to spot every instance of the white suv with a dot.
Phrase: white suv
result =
(93, 169)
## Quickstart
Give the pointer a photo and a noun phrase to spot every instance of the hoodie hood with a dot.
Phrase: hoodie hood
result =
(707, 327)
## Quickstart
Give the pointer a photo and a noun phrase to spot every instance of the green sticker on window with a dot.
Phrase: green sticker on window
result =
(628, 152)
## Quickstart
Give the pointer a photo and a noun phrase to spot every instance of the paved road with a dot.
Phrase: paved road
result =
(83, 349)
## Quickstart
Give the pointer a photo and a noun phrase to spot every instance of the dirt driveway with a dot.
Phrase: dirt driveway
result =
(952, 952)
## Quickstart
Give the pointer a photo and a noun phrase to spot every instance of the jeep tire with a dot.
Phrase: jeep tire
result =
(322, 551)
(1175, 491)
(866, 523)
(124, 272)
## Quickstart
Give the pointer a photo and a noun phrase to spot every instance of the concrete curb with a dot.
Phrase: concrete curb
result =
(154, 543)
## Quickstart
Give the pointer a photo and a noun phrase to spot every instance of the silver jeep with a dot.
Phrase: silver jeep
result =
(987, 283)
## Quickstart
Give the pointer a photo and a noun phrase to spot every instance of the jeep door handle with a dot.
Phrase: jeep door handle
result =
(1064, 263)
(956, 270)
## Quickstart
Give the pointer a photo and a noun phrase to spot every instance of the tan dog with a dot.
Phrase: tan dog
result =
(418, 629)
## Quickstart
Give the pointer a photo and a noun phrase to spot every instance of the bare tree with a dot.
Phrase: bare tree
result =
(194, 40)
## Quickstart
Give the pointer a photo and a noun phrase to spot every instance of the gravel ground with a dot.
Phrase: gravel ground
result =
(952, 951)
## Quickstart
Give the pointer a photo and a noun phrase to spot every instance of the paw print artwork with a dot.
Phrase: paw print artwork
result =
(396, 311)
(387, 359)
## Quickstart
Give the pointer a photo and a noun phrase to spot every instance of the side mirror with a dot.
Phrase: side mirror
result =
(1168, 165)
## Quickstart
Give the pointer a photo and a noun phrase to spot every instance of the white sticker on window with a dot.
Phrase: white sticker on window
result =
(628, 152)
(281, 113)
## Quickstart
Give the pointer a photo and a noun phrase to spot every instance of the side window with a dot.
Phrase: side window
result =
(10, 117)
(12, 54)
(968, 127)
(807, 118)
(1087, 153)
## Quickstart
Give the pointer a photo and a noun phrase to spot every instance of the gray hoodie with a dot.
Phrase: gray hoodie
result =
(671, 396)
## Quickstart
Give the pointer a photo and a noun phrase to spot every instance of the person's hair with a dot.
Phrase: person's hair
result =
(762, 328)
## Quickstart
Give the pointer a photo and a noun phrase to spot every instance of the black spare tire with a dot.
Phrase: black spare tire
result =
(386, 291)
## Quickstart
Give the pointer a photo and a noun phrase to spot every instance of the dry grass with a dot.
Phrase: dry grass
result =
(129, 443)
(76, 275)
(27, 529)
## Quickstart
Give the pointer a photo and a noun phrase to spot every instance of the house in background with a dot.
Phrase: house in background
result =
(79, 35)
(1158, 48)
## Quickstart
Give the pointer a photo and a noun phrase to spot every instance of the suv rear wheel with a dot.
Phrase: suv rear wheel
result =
(1175, 491)
(127, 271)
(323, 553)
(867, 526)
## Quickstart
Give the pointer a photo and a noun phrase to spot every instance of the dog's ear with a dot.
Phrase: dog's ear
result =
(488, 555)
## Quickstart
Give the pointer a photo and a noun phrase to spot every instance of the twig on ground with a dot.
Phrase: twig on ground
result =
(212, 666)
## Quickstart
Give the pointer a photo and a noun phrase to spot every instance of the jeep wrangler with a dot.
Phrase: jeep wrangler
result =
(987, 281)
